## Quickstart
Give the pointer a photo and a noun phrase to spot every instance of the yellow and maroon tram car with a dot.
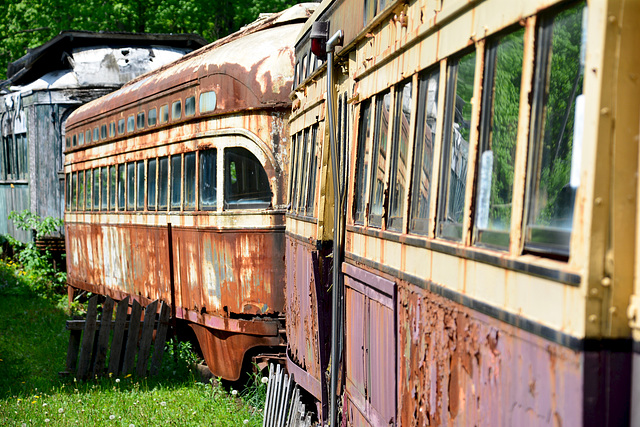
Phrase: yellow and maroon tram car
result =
(176, 189)
(487, 163)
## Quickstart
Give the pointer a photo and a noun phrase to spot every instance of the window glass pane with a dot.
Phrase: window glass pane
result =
(67, 142)
(379, 158)
(74, 191)
(68, 195)
(103, 131)
(96, 134)
(140, 186)
(498, 133)
(456, 146)
(362, 162)
(208, 173)
(313, 164)
(176, 181)
(293, 194)
(112, 187)
(103, 188)
(164, 114)
(163, 183)
(400, 148)
(152, 117)
(80, 138)
(176, 110)
(423, 152)
(246, 182)
(151, 184)
(81, 202)
(190, 106)
(304, 170)
(140, 120)
(131, 123)
(96, 189)
(557, 117)
(190, 181)
(88, 136)
(74, 141)
(120, 126)
(207, 102)
(112, 129)
(88, 186)
(121, 187)
(131, 186)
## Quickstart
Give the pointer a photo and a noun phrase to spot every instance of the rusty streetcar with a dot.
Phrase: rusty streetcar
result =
(477, 162)
(176, 190)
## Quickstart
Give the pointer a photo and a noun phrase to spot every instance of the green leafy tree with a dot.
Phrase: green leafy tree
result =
(30, 23)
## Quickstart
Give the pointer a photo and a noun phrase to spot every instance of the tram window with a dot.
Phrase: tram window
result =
(208, 174)
(122, 184)
(313, 62)
(398, 180)
(96, 134)
(455, 146)
(88, 187)
(103, 131)
(151, 184)
(163, 182)
(68, 142)
(362, 162)
(112, 129)
(68, 199)
(379, 158)
(74, 191)
(423, 152)
(190, 106)
(74, 141)
(498, 134)
(190, 181)
(296, 74)
(164, 114)
(131, 186)
(176, 110)
(313, 164)
(88, 136)
(293, 181)
(96, 189)
(176, 181)
(112, 188)
(152, 117)
(305, 68)
(246, 182)
(370, 9)
(81, 138)
(140, 185)
(207, 102)
(131, 124)
(556, 131)
(304, 172)
(120, 126)
(140, 120)
(103, 188)
(81, 202)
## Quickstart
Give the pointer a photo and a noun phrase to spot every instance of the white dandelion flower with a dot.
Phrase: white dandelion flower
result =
(245, 422)
(46, 420)
(264, 380)
(163, 403)
(112, 417)
(117, 380)
(234, 392)
(60, 411)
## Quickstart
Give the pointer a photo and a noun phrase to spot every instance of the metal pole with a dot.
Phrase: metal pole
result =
(335, 40)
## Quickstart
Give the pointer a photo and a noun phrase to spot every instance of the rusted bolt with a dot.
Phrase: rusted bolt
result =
(612, 19)
(598, 201)
(605, 111)
(593, 318)
(613, 310)
(633, 77)
(606, 282)
(594, 291)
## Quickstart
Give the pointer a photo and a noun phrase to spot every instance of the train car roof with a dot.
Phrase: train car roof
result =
(259, 56)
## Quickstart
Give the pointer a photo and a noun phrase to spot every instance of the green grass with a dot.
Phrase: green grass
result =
(33, 344)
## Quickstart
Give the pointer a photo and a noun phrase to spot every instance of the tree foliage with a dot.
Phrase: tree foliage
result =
(30, 23)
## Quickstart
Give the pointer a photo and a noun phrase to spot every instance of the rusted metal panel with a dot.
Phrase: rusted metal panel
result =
(224, 351)
(459, 367)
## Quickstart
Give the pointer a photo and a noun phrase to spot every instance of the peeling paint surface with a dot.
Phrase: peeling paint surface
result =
(459, 367)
